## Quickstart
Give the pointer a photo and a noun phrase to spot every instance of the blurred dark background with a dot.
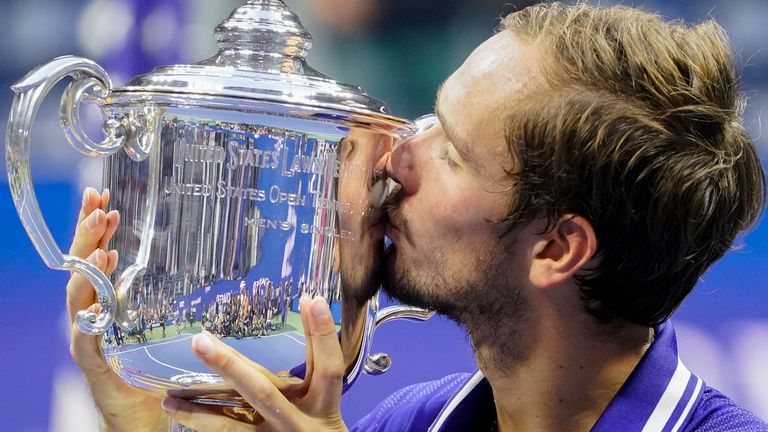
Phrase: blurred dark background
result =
(399, 51)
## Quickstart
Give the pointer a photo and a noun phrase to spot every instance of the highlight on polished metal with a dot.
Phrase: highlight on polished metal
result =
(244, 182)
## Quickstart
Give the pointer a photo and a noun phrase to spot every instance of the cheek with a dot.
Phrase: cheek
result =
(463, 214)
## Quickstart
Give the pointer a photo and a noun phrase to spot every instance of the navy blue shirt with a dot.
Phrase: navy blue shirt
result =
(661, 395)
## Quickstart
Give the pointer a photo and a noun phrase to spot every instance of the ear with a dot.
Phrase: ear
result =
(562, 252)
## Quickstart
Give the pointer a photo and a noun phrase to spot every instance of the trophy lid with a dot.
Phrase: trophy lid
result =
(262, 51)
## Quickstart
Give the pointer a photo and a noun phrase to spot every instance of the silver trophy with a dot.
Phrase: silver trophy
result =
(243, 181)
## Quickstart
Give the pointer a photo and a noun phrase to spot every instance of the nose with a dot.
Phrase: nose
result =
(401, 166)
(402, 162)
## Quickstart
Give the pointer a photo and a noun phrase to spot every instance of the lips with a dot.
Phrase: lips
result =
(396, 223)
(383, 200)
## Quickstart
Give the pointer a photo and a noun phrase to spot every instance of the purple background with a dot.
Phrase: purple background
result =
(723, 326)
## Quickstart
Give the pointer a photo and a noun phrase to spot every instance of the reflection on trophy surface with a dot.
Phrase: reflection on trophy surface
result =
(243, 182)
(248, 220)
(360, 253)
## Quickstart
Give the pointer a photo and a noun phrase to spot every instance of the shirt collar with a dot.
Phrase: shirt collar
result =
(658, 396)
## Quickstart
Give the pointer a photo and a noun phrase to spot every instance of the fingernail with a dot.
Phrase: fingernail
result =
(203, 344)
(85, 197)
(320, 308)
(92, 220)
(169, 404)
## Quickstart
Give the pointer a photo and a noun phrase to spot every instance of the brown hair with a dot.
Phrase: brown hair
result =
(639, 130)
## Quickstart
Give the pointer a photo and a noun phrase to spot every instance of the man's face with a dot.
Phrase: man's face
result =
(446, 253)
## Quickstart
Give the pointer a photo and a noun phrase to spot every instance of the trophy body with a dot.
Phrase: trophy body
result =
(250, 213)
(243, 182)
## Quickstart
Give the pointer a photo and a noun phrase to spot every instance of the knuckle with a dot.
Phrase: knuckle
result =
(73, 352)
(268, 399)
(71, 285)
(78, 289)
(82, 228)
(332, 372)
(326, 331)
(260, 393)
(225, 362)
(77, 355)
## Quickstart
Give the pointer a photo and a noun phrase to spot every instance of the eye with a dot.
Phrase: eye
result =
(444, 156)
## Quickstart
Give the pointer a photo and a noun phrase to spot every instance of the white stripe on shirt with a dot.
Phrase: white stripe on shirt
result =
(669, 399)
(688, 406)
(456, 400)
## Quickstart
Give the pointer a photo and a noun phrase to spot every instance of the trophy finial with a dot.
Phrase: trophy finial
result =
(263, 35)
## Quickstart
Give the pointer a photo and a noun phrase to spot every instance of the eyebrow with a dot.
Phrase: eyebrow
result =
(461, 146)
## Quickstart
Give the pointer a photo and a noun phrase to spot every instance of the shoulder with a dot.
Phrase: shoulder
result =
(412, 408)
(716, 412)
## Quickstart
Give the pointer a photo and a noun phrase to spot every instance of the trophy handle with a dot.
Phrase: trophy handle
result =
(90, 81)
(378, 363)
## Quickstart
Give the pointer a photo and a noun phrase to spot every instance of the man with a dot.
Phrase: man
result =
(587, 165)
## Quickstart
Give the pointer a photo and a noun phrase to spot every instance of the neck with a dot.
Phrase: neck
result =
(564, 378)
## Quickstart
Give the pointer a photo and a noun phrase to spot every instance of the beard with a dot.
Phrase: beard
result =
(483, 300)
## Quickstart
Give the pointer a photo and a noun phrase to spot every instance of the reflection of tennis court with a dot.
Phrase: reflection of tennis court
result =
(153, 365)
(155, 333)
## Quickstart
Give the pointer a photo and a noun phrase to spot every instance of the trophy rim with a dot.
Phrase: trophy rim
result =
(127, 97)
(315, 91)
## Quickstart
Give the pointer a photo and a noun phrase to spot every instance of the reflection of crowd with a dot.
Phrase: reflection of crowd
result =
(255, 312)
(185, 319)
(249, 313)
(149, 319)
(157, 317)
(114, 335)
(330, 292)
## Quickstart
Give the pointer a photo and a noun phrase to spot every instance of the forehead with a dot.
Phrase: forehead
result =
(477, 98)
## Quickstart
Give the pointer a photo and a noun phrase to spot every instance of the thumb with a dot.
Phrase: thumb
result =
(327, 378)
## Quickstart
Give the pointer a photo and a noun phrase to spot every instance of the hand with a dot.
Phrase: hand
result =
(122, 407)
(317, 410)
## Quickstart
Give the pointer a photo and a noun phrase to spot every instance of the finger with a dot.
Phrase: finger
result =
(327, 379)
(112, 259)
(113, 219)
(80, 292)
(104, 199)
(304, 310)
(88, 233)
(254, 386)
(91, 201)
(290, 387)
(198, 418)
